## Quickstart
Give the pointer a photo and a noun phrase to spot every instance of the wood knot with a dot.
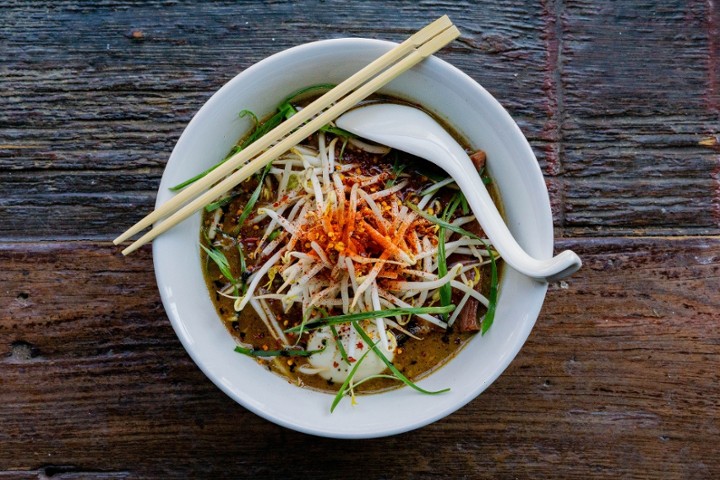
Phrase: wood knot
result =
(21, 351)
(136, 35)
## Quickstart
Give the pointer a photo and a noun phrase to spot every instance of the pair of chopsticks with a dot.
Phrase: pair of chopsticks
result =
(292, 131)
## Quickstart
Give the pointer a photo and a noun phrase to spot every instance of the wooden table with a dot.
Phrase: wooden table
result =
(619, 379)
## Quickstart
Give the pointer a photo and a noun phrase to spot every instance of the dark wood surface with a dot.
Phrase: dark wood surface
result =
(620, 377)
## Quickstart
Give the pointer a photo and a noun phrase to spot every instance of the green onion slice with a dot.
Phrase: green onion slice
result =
(274, 234)
(251, 352)
(392, 367)
(219, 203)
(284, 111)
(343, 388)
(492, 297)
(441, 223)
(296, 94)
(221, 261)
(253, 199)
(338, 132)
(251, 114)
(350, 317)
(445, 289)
(197, 177)
(437, 186)
(339, 344)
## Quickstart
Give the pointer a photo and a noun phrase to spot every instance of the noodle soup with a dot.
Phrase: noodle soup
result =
(347, 266)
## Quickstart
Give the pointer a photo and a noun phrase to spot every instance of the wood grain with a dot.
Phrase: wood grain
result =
(619, 378)
(118, 82)
(625, 356)
(640, 93)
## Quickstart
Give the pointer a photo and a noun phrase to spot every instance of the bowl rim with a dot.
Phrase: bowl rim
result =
(426, 418)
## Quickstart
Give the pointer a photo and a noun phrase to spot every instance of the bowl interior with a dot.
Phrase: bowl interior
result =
(441, 89)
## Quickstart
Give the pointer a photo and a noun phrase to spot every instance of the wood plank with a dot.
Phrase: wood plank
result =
(100, 98)
(640, 94)
(619, 378)
(638, 64)
(120, 80)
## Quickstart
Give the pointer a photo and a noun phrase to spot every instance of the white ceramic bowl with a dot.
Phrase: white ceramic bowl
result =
(441, 89)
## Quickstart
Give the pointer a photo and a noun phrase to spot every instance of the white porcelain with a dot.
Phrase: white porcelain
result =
(440, 88)
(411, 130)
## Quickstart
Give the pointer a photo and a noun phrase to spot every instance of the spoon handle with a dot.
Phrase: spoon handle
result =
(487, 214)
(413, 131)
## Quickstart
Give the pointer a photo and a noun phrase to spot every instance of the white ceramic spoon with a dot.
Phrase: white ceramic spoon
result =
(415, 132)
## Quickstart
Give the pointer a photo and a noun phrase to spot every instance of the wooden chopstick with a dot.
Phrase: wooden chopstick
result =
(414, 57)
(254, 149)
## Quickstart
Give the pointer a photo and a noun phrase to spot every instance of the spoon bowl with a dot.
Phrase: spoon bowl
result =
(414, 131)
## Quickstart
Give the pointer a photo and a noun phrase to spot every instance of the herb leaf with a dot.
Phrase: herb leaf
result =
(284, 111)
(390, 365)
(298, 93)
(221, 261)
(492, 297)
(251, 352)
(390, 312)
(442, 223)
(343, 389)
(339, 344)
(219, 203)
(252, 200)
(445, 289)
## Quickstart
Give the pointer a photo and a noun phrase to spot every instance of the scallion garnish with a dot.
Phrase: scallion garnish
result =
(235, 149)
(284, 111)
(252, 352)
(342, 150)
(373, 377)
(339, 344)
(251, 114)
(274, 234)
(441, 223)
(252, 200)
(436, 186)
(221, 261)
(197, 177)
(493, 294)
(464, 204)
(492, 298)
(312, 88)
(445, 289)
(219, 203)
(350, 317)
(343, 389)
(338, 132)
(243, 268)
(397, 169)
(390, 365)
(483, 175)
